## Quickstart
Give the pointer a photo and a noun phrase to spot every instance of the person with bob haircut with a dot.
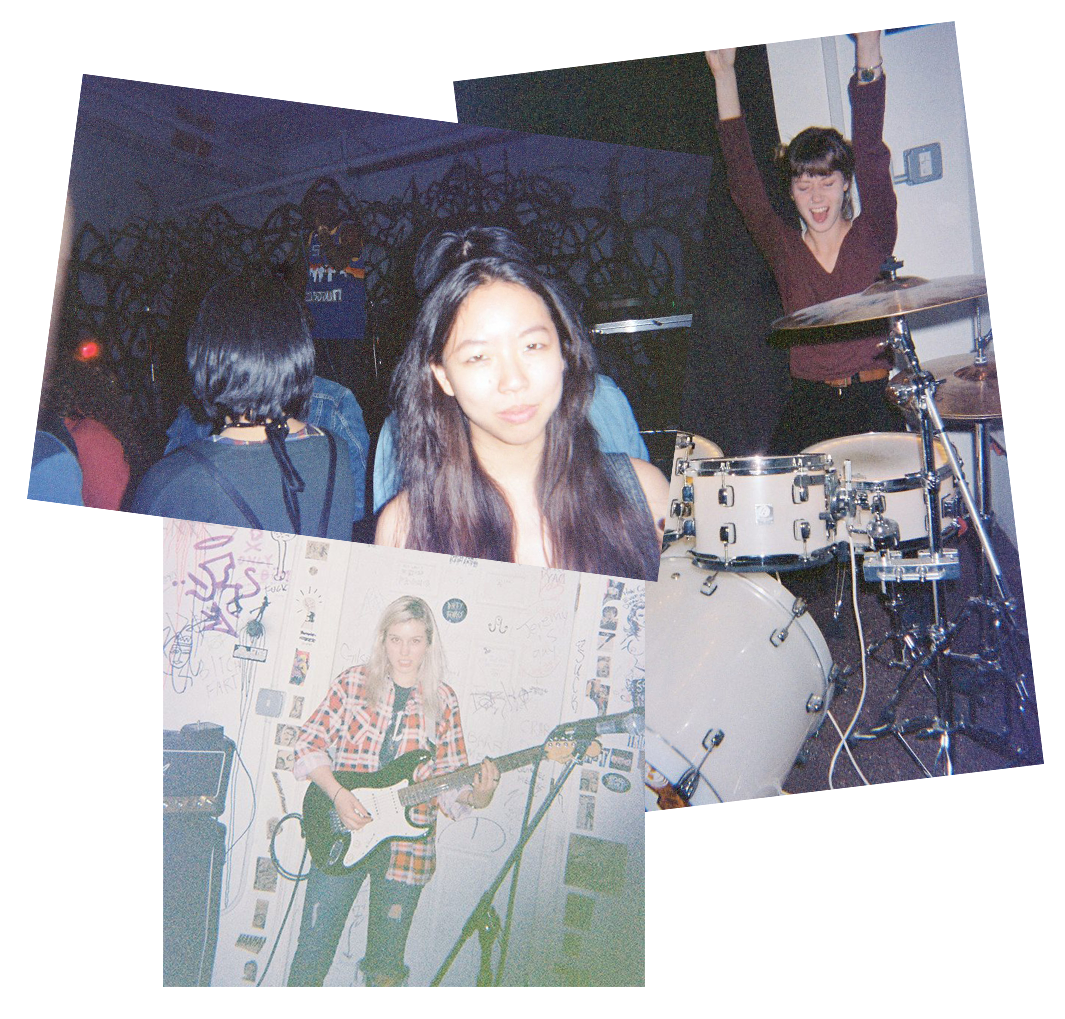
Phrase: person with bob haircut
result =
(497, 454)
(397, 701)
(250, 358)
(838, 375)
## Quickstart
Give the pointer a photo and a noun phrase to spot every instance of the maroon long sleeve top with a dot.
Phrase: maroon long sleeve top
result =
(801, 279)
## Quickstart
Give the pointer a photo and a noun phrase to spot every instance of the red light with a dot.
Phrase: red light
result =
(88, 350)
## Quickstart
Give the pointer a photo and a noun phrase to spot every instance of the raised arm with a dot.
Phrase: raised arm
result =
(723, 67)
(867, 57)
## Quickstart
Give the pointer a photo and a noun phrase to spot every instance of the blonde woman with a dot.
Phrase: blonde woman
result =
(374, 713)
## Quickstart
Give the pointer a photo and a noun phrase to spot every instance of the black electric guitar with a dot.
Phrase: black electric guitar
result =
(388, 797)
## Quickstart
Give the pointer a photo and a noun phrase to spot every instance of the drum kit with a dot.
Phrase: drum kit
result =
(754, 679)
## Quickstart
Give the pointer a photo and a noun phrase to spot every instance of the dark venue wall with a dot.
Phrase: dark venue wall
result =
(174, 188)
(735, 380)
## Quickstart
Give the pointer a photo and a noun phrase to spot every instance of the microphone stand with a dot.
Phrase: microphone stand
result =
(484, 920)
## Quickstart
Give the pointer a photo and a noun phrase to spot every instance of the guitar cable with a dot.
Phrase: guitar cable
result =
(296, 878)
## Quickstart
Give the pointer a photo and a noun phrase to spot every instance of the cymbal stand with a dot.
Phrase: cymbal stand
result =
(932, 566)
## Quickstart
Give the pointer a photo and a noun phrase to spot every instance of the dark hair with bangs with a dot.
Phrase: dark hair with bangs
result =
(819, 151)
(455, 507)
(250, 352)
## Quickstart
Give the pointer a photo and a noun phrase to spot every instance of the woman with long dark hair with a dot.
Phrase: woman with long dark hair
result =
(498, 458)
(837, 375)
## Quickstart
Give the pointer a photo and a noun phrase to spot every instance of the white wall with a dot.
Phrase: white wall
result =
(520, 660)
(939, 233)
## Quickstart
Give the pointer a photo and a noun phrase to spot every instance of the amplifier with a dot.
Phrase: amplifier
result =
(196, 765)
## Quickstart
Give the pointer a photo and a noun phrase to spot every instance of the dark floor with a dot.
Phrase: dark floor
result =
(988, 730)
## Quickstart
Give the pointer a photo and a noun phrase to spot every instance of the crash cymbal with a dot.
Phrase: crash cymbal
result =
(968, 391)
(886, 299)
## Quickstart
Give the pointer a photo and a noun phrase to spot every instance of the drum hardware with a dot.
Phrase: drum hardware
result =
(928, 645)
(798, 608)
(689, 781)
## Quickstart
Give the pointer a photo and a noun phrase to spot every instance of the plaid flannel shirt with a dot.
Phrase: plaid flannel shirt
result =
(347, 734)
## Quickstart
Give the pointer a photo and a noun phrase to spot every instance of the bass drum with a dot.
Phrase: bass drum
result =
(738, 682)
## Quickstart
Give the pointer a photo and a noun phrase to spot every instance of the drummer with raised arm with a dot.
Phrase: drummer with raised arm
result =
(838, 376)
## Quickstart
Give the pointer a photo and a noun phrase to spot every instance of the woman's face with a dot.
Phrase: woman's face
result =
(406, 645)
(819, 199)
(503, 363)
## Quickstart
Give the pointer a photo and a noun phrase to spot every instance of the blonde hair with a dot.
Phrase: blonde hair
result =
(433, 667)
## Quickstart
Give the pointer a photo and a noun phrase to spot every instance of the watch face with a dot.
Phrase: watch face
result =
(866, 75)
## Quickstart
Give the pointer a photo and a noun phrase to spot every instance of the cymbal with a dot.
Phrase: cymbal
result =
(887, 299)
(968, 391)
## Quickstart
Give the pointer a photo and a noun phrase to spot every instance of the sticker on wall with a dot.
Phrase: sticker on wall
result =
(286, 735)
(269, 702)
(614, 590)
(285, 759)
(300, 663)
(296, 711)
(605, 640)
(599, 693)
(616, 783)
(251, 971)
(249, 653)
(251, 942)
(454, 610)
(609, 619)
(579, 909)
(586, 813)
(602, 667)
(265, 875)
(621, 760)
(317, 550)
(589, 780)
(596, 865)
(259, 919)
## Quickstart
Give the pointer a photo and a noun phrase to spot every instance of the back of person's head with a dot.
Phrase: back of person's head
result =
(818, 152)
(250, 351)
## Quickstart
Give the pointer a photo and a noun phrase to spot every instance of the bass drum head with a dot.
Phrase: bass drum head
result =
(721, 676)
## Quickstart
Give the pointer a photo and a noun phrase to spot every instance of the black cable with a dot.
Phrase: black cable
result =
(295, 879)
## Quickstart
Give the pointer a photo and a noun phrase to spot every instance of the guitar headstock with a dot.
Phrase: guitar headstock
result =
(559, 750)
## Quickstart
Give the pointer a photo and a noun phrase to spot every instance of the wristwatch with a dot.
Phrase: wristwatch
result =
(868, 74)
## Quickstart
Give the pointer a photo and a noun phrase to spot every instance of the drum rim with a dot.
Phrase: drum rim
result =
(781, 563)
(761, 466)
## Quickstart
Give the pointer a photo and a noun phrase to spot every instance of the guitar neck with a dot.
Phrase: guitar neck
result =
(422, 792)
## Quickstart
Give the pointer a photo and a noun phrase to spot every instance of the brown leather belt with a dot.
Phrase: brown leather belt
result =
(865, 375)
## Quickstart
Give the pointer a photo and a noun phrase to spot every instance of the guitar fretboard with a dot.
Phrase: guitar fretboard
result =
(422, 792)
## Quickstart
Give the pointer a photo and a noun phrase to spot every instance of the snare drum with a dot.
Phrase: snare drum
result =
(740, 677)
(887, 472)
(681, 497)
(761, 513)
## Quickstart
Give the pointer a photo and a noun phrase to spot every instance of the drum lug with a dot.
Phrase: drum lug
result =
(727, 534)
(709, 586)
(815, 704)
(800, 491)
(689, 781)
(726, 496)
(798, 608)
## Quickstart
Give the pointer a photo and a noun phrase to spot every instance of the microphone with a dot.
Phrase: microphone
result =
(630, 722)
